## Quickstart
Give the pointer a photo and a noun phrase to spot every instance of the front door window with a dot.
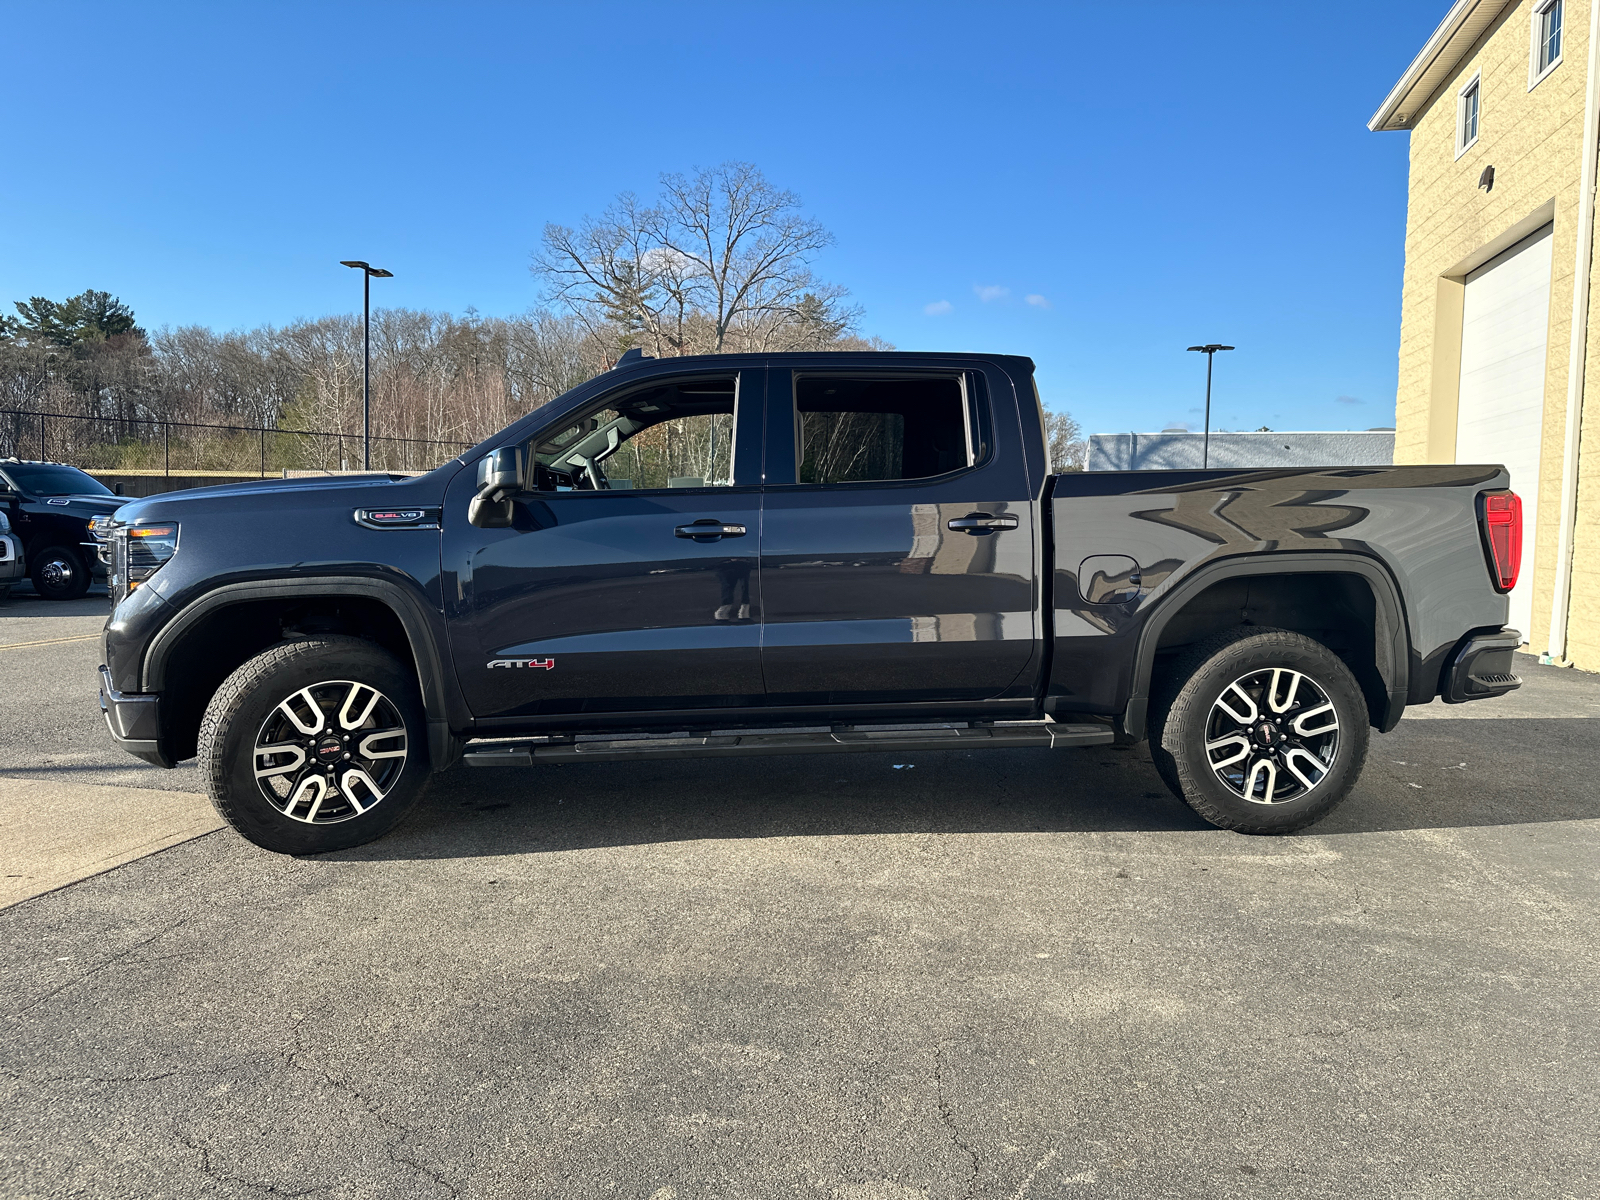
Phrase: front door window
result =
(669, 436)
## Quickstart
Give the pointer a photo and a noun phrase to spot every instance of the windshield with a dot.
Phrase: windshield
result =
(53, 479)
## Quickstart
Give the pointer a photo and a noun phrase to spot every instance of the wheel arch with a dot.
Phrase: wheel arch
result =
(248, 616)
(1388, 672)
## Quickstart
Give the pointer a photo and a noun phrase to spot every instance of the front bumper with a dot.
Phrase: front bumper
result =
(133, 721)
(1482, 668)
(12, 568)
(97, 559)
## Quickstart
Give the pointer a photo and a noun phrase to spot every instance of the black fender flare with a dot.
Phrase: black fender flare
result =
(1391, 639)
(440, 698)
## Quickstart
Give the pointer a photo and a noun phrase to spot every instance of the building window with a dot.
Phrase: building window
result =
(1467, 114)
(1546, 40)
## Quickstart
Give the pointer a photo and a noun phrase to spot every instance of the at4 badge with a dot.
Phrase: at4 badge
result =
(538, 663)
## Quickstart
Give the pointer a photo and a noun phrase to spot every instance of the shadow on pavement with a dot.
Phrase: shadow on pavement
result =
(1427, 775)
(26, 603)
(471, 812)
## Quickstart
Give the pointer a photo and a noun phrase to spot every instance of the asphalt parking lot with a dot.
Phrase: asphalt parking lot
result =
(1008, 974)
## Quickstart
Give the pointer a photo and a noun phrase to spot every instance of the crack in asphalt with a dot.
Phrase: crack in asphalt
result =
(375, 1110)
(41, 1079)
(95, 970)
(210, 1172)
(948, 1118)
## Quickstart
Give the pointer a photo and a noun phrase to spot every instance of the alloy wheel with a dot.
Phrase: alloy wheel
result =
(1272, 735)
(330, 751)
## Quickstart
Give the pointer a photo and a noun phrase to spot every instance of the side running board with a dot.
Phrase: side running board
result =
(840, 739)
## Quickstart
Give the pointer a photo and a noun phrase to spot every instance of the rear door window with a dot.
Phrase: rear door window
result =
(862, 430)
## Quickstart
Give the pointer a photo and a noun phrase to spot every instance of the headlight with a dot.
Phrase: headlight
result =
(100, 529)
(149, 549)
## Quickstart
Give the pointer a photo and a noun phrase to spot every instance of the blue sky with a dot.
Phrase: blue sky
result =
(1159, 174)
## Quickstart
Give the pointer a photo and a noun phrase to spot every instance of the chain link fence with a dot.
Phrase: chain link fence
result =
(148, 446)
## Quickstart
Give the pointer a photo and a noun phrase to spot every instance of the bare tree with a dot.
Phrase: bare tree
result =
(721, 262)
(1068, 449)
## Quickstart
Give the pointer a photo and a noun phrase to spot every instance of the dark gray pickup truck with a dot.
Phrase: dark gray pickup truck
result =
(796, 553)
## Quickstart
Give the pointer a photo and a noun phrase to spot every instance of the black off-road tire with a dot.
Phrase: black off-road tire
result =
(239, 712)
(59, 572)
(1182, 708)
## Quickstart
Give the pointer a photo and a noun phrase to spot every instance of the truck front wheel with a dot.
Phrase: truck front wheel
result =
(1259, 730)
(59, 573)
(315, 745)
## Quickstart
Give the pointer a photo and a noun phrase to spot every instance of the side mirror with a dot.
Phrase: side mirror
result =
(499, 478)
(120, 488)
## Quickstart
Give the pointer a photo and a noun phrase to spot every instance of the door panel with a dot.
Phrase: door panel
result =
(870, 597)
(879, 602)
(628, 615)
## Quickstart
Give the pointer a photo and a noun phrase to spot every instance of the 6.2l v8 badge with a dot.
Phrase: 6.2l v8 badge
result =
(543, 663)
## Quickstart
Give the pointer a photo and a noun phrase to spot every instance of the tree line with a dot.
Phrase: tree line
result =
(719, 261)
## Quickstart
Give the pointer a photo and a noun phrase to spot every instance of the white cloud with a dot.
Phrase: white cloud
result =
(1038, 301)
(991, 291)
(662, 259)
(938, 308)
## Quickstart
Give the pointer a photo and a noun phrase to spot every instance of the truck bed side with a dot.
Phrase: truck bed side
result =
(1384, 564)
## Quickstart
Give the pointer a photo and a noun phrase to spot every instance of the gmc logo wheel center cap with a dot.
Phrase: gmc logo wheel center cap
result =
(329, 749)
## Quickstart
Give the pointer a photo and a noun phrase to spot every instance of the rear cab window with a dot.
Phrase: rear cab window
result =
(862, 428)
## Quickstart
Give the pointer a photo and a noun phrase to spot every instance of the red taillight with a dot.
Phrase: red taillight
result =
(1502, 524)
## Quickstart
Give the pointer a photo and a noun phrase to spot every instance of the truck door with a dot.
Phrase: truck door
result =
(899, 541)
(628, 582)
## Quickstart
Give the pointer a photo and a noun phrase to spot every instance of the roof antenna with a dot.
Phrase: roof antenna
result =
(630, 356)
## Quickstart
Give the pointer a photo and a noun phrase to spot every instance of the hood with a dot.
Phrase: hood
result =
(255, 487)
(78, 506)
(285, 496)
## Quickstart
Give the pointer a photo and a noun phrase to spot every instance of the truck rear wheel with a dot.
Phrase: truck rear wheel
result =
(1259, 730)
(315, 745)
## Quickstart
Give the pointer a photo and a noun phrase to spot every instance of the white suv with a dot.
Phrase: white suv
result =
(12, 568)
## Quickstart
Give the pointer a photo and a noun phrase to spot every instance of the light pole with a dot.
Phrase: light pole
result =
(1209, 351)
(368, 274)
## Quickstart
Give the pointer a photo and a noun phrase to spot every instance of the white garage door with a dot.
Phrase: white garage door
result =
(1504, 326)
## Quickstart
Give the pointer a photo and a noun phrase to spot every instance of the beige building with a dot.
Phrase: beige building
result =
(1498, 325)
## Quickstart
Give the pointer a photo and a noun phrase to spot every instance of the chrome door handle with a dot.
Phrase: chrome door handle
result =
(981, 523)
(708, 530)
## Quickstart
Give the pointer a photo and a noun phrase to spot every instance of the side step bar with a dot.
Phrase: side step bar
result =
(840, 739)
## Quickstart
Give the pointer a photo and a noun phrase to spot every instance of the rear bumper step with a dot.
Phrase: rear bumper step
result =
(1483, 668)
(838, 740)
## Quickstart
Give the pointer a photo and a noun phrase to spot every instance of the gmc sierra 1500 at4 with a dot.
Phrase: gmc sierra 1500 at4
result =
(795, 553)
